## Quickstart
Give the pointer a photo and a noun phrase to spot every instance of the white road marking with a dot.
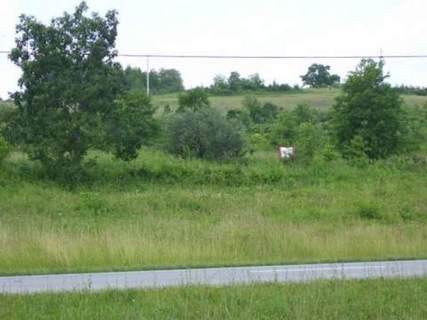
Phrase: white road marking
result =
(314, 269)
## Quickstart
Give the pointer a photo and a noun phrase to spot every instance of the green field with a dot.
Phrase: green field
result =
(373, 299)
(317, 98)
(160, 211)
(98, 176)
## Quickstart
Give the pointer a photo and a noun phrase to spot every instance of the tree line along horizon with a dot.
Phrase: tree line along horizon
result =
(74, 99)
(164, 81)
(170, 81)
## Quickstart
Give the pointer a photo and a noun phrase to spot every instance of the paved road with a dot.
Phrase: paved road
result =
(211, 276)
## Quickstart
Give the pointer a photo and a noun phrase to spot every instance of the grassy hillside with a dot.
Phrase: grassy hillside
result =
(374, 299)
(160, 211)
(164, 211)
(317, 98)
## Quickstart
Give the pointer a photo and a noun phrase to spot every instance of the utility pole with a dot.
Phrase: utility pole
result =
(148, 76)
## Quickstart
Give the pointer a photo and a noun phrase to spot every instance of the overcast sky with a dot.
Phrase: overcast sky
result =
(248, 27)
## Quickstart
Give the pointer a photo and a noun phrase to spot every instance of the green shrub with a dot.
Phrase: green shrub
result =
(203, 134)
(329, 152)
(259, 113)
(4, 149)
(355, 152)
(368, 210)
(370, 108)
(7, 109)
(259, 141)
(194, 99)
(131, 125)
(285, 130)
(413, 131)
(308, 140)
(304, 113)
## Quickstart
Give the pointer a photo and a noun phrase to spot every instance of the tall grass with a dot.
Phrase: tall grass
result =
(160, 211)
(373, 299)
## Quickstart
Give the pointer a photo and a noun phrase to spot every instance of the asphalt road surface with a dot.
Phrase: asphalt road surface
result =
(211, 276)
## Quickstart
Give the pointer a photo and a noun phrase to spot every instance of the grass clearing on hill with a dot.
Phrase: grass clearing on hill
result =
(320, 99)
(366, 299)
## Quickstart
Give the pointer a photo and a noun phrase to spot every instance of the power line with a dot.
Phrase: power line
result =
(295, 57)
(417, 56)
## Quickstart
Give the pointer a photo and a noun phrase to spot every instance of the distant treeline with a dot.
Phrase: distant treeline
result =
(236, 83)
(170, 80)
(162, 81)
(419, 91)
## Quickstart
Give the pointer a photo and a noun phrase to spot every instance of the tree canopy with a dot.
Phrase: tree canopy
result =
(70, 88)
(318, 76)
(368, 112)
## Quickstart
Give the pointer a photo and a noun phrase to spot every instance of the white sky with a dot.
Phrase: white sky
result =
(248, 27)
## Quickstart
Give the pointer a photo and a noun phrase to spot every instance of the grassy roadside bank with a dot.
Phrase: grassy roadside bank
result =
(268, 213)
(367, 299)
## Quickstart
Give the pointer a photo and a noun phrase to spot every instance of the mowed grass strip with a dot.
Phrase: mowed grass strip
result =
(366, 299)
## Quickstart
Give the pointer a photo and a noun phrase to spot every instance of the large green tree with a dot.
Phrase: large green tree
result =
(318, 76)
(368, 111)
(70, 89)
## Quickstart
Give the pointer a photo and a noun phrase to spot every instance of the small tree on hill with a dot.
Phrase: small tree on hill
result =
(318, 76)
(369, 110)
(194, 99)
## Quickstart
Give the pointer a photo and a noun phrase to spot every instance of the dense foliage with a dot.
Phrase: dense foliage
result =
(131, 124)
(368, 110)
(205, 134)
(235, 83)
(4, 149)
(419, 91)
(162, 81)
(194, 99)
(71, 92)
(318, 76)
(254, 112)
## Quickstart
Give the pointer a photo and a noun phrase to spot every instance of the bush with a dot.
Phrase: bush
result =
(329, 152)
(194, 100)
(7, 110)
(356, 150)
(368, 210)
(131, 125)
(203, 134)
(371, 109)
(413, 128)
(308, 141)
(285, 129)
(4, 149)
(259, 113)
